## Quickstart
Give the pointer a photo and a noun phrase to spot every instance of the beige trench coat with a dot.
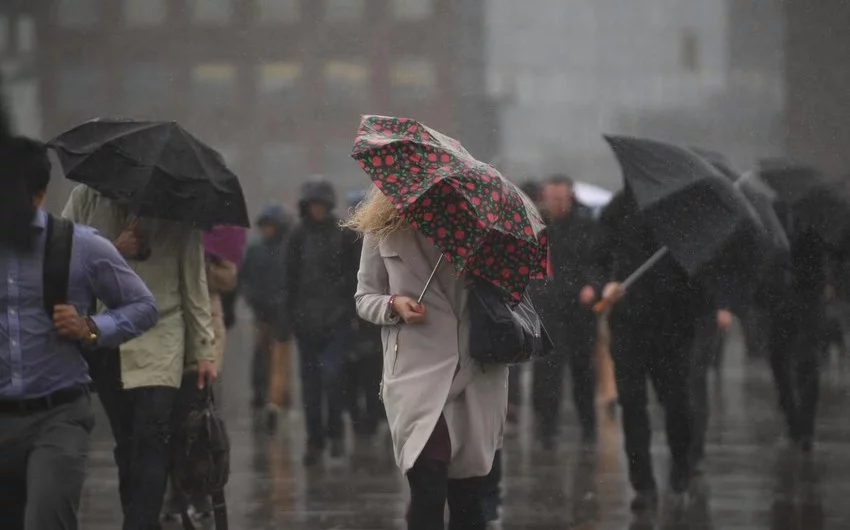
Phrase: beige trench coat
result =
(176, 275)
(427, 368)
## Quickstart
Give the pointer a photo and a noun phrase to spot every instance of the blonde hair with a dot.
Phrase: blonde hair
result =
(376, 216)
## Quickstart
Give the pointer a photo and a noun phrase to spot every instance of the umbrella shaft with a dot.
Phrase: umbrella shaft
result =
(430, 279)
(648, 264)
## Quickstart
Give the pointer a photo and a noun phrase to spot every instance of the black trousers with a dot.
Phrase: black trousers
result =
(362, 388)
(795, 362)
(322, 388)
(575, 345)
(430, 489)
(661, 353)
(43, 466)
(707, 350)
(140, 419)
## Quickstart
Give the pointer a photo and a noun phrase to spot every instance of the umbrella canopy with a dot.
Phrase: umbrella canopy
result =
(819, 203)
(762, 198)
(479, 220)
(694, 210)
(719, 162)
(155, 169)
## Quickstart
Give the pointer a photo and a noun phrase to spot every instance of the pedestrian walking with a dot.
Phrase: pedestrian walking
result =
(262, 282)
(138, 387)
(363, 364)
(565, 299)
(652, 331)
(321, 278)
(793, 300)
(51, 271)
(445, 391)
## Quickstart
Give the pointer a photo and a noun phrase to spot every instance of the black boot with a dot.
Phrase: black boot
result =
(428, 489)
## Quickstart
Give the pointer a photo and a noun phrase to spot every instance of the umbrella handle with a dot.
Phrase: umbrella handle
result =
(430, 278)
(603, 305)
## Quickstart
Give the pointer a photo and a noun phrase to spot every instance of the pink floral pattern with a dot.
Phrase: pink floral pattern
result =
(478, 219)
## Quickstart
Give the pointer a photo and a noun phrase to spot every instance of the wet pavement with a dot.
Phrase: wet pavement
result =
(752, 480)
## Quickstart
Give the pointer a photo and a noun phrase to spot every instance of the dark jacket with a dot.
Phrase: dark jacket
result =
(262, 278)
(322, 263)
(795, 283)
(572, 252)
(665, 292)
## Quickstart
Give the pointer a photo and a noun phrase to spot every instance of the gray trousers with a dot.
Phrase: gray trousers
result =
(43, 465)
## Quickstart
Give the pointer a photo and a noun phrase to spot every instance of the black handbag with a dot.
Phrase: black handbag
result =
(503, 330)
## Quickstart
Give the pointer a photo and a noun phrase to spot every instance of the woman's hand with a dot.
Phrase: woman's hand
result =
(409, 310)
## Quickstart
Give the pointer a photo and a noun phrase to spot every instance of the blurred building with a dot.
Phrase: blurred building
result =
(18, 76)
(817, 75)
(704, 72)
(277, 85)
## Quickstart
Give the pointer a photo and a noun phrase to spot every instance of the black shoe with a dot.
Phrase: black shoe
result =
(312, 456)
(644, 501)
(337, 449)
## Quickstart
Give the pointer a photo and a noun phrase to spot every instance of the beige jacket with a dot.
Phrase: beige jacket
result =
(427, 368)
(176, 275)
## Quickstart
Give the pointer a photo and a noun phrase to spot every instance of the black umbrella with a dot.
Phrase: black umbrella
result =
(155, 169)
(818, 202)
(719, 162)
(762, 198)
(694, 210)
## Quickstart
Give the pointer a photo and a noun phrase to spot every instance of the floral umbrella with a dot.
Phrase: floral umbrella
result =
(479, 220)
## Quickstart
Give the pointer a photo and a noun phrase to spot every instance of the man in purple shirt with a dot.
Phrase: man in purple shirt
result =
(45, 409)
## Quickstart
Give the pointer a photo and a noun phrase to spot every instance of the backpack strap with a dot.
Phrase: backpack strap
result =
(59, 241)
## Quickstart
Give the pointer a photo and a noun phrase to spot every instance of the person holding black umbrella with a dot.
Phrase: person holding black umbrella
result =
(669, 232)
(151, 188)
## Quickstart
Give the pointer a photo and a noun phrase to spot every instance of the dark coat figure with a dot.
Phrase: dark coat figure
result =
(652, 330)
(571, 324)
(321, 269)
(262, 283)
(792, 295)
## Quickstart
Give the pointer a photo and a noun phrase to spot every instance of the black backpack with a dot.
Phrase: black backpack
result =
(59, 243)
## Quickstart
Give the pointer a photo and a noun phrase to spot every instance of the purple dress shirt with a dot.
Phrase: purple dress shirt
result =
(34, 360)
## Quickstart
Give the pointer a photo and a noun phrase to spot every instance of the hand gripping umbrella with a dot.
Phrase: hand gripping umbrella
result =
(155, 169)
(479, 220)
(694, 210)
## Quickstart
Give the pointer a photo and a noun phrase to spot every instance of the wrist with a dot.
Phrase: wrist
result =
(91, 333)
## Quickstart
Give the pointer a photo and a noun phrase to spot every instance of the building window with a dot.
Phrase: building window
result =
(279, 84)
(81, 87)
(689, 51)
(212, 12)
(276, 11)
(213, 85)
(147, 88)
(144, 12)
(413, 10)
(413, 79)
(26, 34)
(344, 10)
(77, 14)
(346, 82)
(283, 165)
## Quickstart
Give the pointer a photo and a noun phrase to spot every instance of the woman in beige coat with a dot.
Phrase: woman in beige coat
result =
(446, 412)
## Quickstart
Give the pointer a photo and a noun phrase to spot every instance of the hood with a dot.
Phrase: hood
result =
(275, 215)
(320, 191)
